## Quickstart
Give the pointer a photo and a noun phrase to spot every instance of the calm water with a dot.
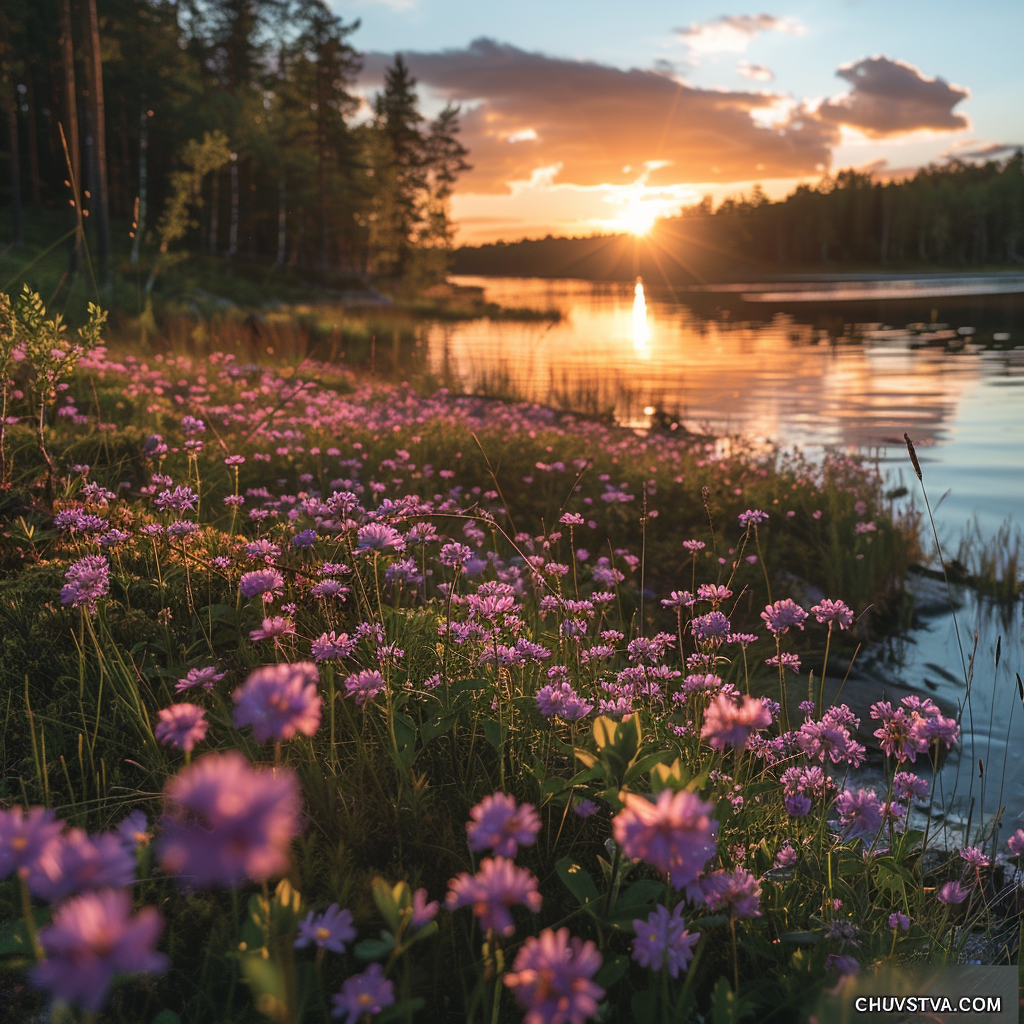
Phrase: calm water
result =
(807, 378)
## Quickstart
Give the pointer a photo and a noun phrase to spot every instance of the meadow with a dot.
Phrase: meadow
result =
(325, 698)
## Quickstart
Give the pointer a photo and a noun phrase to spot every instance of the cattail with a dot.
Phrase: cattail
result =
(981, 768)
(1020, 687)
(999, 648)
(913, 456)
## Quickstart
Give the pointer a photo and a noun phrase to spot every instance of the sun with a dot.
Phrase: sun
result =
(637, 218)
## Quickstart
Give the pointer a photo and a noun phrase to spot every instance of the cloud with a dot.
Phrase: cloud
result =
(890, 97)
(755, 72)
(586, 122)
(973, 149)
(733, 33)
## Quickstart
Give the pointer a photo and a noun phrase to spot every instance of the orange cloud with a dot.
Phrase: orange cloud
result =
(598, 124)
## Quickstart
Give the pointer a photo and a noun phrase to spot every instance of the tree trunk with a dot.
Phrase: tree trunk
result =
(17, 226)
(140, 210)
(67, 48)
(33, 139)
(102, 197)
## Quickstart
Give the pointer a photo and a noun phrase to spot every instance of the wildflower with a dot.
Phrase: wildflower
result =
(272, 627)
(76, 861)
(88, 580)
(797, 804)
(496, 887)
(975, 857)
(786, 857)
(181, 726)
(330, 646)
(133, 830)
(1015, 842)
(551, 978)
(227, 822)
(907, 784)
(563, 702)
(181, 499)
(204, 677)
(365, 685)
(422, 911)
(24, 836)
(899, 735)
(585, 808)
(265, 583)
(379, 537)
(663, 941)
(304, 539)
(363, 994)
(330, 930)
(332, 588)
(693, 546)
(713, 592)
(736, 891)
(843, 964)
(728, 723)
(674, 834)
(678, 599)
(786, 660)
(899, 920)
(93, 938)
(499, 825)
(952, 892)
(234, 460)
(860, 813)
(779, 617)
(279, 701)
(834, 613)
(711, 626)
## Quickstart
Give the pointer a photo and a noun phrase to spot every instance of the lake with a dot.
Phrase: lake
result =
(852, 376)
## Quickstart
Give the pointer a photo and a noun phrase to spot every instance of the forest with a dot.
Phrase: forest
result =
(961, 215)
(227, 127)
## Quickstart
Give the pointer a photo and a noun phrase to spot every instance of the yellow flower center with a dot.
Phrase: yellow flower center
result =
(322, 934)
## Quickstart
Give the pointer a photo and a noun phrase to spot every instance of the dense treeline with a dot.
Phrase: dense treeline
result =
(221, 126)
(961, 215)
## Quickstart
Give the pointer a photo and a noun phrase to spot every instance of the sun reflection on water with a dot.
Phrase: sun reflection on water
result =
(641, 335)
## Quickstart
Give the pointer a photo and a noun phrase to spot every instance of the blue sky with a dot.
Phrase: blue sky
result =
(889, 113)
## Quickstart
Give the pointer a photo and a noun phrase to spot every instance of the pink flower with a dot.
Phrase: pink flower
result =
(77, 861)
(1016, 842)
(952, 892)
(551, 978)
(24, 837)
(673, 835)
(734, 891)
(226, 822)
(779, 617)
(423, 912)
(496, 887)
(279, 701)
(182, 726)
(726, 723)
(272, 627)
(94, 937)
(502, 827)
(834, 613)
(663, 941)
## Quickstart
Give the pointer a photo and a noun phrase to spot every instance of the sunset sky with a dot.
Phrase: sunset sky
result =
(593, 116)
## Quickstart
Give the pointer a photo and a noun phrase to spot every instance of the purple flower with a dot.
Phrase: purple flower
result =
(899, 735)
(88, 580)
(711, 626)
(267, 583)
(786, 857)
(551, 978)
(365, 685)
(500, 826)
(860, 813)
(204, 677)
(843, 964)
(779, 617)
(907, 784)
(330, 646)
(727, 723)
(75, 862)
(674, 835)
(279, 701)
(1015, 843)
(227, 822)
(736, 891)
(332, 588)
(835, 613)
(305, 539)
(363, 994)
(585, 808)
(24, 837)
(133, 830)
(379, 537)
(93, 938)
(330, 930)
(975, 857)
(180, 499)
(752, 517)
(181, 726)
(797, 804)
(952, 892)
(272, 628)
(899, 920)
(561, 700)
(663, 941)
(496, 887)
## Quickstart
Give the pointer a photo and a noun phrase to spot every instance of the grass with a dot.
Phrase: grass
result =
(500, 567)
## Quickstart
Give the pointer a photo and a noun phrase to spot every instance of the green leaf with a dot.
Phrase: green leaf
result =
(645, 764)
(373, 949)
(404, 1009)
(726, 1006)
(801, 938)
(611, 971)
(436, 726)
(493, 732)
(577, 881)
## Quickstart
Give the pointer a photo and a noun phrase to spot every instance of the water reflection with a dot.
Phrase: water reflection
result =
(780, 380)
(641, 337)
